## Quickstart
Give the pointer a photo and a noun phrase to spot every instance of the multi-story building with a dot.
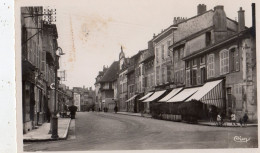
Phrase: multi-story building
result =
(148, 73)
(134, 82)
(108, 87)
(39, 45)
(163, 64)
(122, 82)
(139, 79)
(131, 85)
(98, 100)
(219, 55)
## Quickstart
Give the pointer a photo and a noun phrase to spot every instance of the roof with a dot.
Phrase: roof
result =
(182, 41)
(112, 73)
(215, 45)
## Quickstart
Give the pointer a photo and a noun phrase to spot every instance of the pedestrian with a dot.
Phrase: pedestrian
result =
(233, 119)
(219, 120)
(245, 119)
(210, 114)
(73, 109)
(116, 109)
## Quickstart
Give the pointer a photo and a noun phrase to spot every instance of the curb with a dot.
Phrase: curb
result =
(227, 126)
(65, 136)
(194, 124)
(134, 115)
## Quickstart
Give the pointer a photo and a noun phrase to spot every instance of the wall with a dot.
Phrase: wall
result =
(187, 28)
(162, 60)
(195, 44)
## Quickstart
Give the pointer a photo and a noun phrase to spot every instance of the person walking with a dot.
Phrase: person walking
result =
(245, 119)
(210, 114)
(116, 109)
(219, 120)
(233, 119)
(73, 109)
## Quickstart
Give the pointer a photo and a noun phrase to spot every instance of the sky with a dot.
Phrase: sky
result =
(91, 32)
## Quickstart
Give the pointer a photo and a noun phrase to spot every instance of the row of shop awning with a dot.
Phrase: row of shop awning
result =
(210, 93)
(132, 98)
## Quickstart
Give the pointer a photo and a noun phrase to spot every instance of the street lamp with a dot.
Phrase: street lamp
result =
(54, 116)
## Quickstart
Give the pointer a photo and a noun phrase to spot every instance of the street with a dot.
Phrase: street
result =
(109, 131)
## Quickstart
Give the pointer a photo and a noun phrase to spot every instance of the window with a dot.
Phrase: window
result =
(152, 80)
(187, 77)
(181, 53)
(229, 90)
(199, 76)
(208, 38)
(202, 60)
(43, 61)
(203, 75)
(187, 64)
(176, 59)
(234, 60)
(157, 74)
(168, 73)
(162, 51)
(194, 77)
(224, 62)
(211, 65)
(194, 62)
(168, 45)
(163, 75)
(181, 76)
(157, 55)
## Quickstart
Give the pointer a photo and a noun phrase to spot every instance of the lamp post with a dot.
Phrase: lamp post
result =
(54, 116)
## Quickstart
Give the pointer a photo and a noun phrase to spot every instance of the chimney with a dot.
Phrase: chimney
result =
(241, 19)
(201, 8)
(219, 23)
(83, 87)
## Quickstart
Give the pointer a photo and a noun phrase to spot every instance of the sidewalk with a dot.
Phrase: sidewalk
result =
(135, 114)
(203, 123)
(228, 124)
(41, 134)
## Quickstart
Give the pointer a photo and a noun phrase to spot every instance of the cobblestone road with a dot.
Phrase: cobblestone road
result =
(107, 131)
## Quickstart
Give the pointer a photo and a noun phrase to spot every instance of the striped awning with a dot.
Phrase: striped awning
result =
(183, 95)
(146, 96)
(156, 95)
(210, 93)
(171, 94)
(132, 98)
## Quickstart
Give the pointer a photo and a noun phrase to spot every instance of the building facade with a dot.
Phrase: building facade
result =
(108, 87)
(122, 83)
(39, 45)
(220, 49)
